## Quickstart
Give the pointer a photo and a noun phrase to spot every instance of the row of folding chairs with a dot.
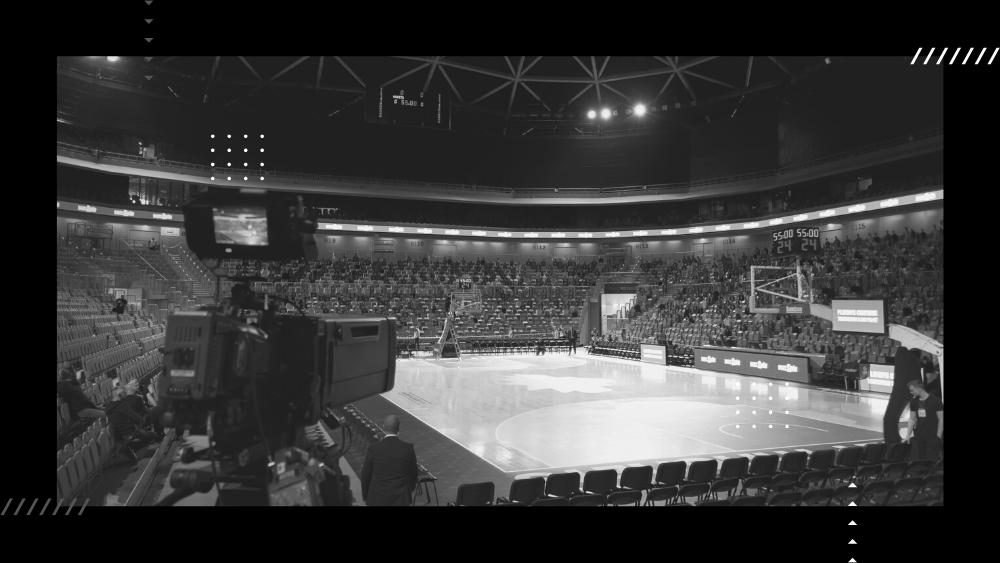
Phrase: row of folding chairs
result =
(765, 476)
(363, 432)
(627, 350)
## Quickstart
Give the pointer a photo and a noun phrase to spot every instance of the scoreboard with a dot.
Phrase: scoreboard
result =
(801, 241)
(411, 107)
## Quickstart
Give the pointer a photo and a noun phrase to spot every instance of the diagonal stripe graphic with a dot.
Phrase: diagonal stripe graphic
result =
(917, 55)
(942, 55)
(981, 53)
(32, 507)
(70, 507)
(47, 501)
(929, 55)
(19, 505)
(971, 49)
(957, 52)
(7, 506)
(994, 55)
(58, 505)
(84, 506)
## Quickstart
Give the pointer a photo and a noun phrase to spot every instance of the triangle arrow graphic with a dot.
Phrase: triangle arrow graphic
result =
(148, 39)
(852, 504)
(148, 2)
(852, 560)
(149, 21)
(852, 542)
(852, 523)
(149, 77)
(148, 59)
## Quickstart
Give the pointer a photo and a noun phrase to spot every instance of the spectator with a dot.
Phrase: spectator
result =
(126, 421)
(136, 400)
(390, 471)
(571, 334)
(121, 305)
(80, 407)
(926, 424)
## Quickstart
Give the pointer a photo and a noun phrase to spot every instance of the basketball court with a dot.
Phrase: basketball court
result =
(529, 415)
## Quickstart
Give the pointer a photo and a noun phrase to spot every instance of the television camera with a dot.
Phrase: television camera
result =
(259, 391)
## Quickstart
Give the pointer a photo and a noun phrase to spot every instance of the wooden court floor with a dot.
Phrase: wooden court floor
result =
(529, 415)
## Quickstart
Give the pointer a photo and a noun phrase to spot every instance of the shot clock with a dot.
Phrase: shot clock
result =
(796, 241)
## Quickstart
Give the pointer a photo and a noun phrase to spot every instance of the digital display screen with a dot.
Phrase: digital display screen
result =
(795, 241)
(850, 315)
(653, 353)
(411, 107)
(242, 226)
(773, 366)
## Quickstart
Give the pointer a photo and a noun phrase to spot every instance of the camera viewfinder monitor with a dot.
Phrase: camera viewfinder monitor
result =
(240, 225)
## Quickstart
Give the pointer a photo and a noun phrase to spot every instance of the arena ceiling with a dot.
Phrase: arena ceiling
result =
(496, 94)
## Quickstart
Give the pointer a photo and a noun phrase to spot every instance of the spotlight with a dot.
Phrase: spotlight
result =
(592, 114)
(213, 136)
(244, 150)
(229, 136)
(212, 178)
(244, 177)
(640, 109)
(229, 150)
(245, 164)
(261, 177)
(262, 164)
(605, 113)
(213, 150)
(244, 136)
(229, 164)
(213, 164)
(113, 59)
(261, 136)
(261, 150)
(229, 177)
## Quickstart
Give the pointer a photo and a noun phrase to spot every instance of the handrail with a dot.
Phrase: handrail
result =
(141, 258)
(679, 187)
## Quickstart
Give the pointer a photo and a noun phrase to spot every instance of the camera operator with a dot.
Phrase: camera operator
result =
(150, 414)
(126, 422)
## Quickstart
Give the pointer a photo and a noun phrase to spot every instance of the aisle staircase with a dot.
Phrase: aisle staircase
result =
(201, 292)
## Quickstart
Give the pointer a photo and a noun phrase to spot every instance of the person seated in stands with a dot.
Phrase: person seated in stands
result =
(121, 305)
(151, 414)
(540, 348)
(68, 389)
(153, 245)
(126, 421)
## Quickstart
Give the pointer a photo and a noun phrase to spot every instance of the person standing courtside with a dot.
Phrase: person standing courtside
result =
(389, 475)
(571, 336)
(926, 424)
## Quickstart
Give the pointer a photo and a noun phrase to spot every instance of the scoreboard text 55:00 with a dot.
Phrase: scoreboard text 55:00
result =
(801, 241)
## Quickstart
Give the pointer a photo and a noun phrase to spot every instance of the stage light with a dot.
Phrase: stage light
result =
(229, 136)
(212, 178)
(592, 114)
(770, 398)
(755, 426)
(229, 150)
(229, 164)
(244, 136)
(262, 164)
(213, 164)
(605, 113)
(770, 412)
(212, 136)
(245, 178)
(770, 426)
(229, 177)
(261, 177)
(244, 150)
(261, 150)
(213, 150)
(245, 164)
(770, 384)
(786, 426)
(737, 426)
(113, 59)
(640, 109)
(753, 412)
(261, 136)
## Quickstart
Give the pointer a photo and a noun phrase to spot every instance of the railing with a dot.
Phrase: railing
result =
(651, 189)
(130, 247)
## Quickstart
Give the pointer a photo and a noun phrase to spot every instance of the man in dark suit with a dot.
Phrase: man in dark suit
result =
(390, 472)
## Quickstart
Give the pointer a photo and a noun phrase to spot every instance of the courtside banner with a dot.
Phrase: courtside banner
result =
(774, 366)
(880, 378)
(653, 353)
(851, 315)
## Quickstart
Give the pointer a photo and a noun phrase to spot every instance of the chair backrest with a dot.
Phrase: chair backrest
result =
(821, 460)
(919, 467)
(527, 490)
(764, 465)
(872, 454)
(849, 456)
(551, 502)
(625, 497)
(723, 502)
(793, 462)
(600, 482)
(638, 478)
(818, 496)
(562, 484)
(475, 494)
(694, 490)
(749, 501)
(670, 473)
(734, 467)
(786, 499)
(587, 500)
(703, 471)
(728, 485)
(657, 494)
(877, 487)
(897, 452)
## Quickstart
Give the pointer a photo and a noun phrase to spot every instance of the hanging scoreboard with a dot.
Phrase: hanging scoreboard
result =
(801, 241)
(411, 107)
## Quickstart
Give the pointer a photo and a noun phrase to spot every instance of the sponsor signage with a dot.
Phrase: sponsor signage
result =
(163, 216)
(774, 366)
(620, 288)
(170, 231)
(653, 353)
(124, 213)
(794, 309)
(853, 315)
(86, 208)
(880, 378)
